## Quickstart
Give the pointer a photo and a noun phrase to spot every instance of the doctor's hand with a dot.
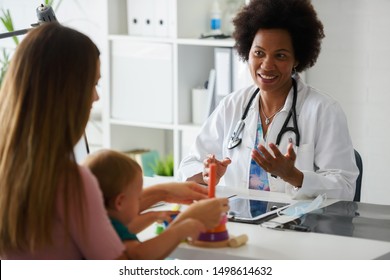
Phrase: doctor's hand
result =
(278, 164)
(221, 167)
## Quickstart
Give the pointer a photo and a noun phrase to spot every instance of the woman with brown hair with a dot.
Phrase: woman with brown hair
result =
(50, 207)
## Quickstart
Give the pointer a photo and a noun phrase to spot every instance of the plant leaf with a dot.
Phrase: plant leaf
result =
(6, 19)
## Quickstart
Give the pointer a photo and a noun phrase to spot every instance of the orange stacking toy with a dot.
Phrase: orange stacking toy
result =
(218, 233)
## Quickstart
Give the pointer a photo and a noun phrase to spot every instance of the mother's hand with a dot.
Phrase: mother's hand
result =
(174, 192)
(184, 192)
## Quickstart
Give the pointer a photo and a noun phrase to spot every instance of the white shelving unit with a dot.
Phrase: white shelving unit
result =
(149, 79)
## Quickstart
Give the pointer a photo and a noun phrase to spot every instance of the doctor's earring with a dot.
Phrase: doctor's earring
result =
(294, 71)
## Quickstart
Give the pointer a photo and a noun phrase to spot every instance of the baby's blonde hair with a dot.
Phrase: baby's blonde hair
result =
(113, 170)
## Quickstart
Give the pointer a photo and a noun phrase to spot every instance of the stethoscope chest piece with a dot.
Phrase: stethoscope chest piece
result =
(235, 140)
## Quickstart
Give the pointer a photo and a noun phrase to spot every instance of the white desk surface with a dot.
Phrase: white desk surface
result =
(264, 243)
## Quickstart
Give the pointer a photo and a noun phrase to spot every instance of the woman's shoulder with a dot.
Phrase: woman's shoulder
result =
(86, 173)
(89, 180)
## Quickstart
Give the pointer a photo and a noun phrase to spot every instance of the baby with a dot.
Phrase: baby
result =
(121, 180)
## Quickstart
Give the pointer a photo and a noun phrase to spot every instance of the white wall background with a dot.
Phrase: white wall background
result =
(353, 67)
(87, 16)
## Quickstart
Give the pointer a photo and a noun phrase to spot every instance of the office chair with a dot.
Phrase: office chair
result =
(359, 164)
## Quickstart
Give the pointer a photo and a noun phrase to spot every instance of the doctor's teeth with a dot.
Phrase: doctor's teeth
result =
(267, 77)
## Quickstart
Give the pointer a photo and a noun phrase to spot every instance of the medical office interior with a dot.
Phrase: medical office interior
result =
(155, 111)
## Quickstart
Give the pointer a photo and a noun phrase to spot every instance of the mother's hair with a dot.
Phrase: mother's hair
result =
(45, 101)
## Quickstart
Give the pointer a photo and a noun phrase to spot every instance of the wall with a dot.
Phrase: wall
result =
(354, 68)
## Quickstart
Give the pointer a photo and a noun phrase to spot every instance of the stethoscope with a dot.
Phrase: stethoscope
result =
(236, 140)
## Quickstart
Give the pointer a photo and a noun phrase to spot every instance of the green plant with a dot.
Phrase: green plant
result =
(6, 20)
(51, 3)
(163, 166)
(4, 62)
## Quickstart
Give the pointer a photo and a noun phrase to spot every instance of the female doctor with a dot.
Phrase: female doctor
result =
(279, 134)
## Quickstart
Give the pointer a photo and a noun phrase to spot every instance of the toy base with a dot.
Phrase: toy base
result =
(233, 242)
(214, 236)
(210, 244)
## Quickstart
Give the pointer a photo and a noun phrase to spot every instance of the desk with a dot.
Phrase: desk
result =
(273, 244)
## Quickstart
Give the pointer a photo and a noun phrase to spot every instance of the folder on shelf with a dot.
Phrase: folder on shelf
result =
(161, 19)
(150, 17)
(134, 11)
(223, 69)
(147, 17)
(141, 17)
(211, 92)
(241, 76)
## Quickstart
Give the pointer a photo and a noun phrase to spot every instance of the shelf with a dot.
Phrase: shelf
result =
(188, 126)
(182, 41)
(150, 79)
(207, 42)
(121, 37)
(142, 124)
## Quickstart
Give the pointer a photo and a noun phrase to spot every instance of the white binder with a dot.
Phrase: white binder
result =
(211, 92)
(134, 12)
(150, 18)
(241, 76)
(223, 69)
(147, 17)
(161, 18)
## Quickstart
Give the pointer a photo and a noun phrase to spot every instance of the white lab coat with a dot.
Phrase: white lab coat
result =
(325, 154)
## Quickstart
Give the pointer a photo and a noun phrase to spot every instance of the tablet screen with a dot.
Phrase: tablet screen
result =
(251, 210)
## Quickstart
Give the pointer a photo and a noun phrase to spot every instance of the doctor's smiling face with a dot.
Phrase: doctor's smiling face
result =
(271, 60)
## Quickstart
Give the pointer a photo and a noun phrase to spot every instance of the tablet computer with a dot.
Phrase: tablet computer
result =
(252, 211)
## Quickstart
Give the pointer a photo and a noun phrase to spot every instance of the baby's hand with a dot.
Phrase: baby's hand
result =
(190, 228)
(167, 216)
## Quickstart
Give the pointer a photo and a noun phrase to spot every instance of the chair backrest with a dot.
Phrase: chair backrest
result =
(359, 164)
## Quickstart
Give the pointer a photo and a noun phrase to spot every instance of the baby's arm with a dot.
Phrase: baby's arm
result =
(162, 245)
(144, 220)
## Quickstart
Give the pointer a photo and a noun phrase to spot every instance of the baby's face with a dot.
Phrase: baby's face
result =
(132, 193)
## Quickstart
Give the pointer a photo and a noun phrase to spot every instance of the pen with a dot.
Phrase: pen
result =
(302, 228)
(294, 225)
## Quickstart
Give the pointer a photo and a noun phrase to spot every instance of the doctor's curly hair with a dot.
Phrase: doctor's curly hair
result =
(298, 17)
